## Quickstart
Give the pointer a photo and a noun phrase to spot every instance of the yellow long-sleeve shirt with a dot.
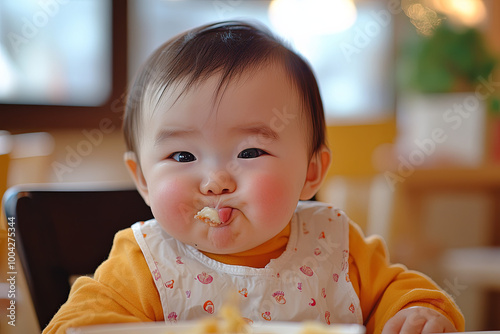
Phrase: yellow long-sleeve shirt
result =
(123, 289)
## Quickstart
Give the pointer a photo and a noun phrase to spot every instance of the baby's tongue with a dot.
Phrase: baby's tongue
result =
(225, 214)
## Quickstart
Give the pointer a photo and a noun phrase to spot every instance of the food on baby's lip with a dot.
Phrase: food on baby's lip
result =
(209, 216)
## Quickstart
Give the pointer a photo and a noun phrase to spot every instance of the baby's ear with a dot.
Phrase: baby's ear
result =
(134, 168)
(316, 172)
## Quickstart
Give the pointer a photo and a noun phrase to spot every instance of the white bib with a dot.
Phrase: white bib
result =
(309, 281)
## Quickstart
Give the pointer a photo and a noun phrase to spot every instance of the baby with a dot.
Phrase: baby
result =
(226, 143)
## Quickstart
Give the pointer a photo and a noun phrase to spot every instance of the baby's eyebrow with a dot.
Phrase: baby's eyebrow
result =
(256, 130)
(165, 134)
(259, 130)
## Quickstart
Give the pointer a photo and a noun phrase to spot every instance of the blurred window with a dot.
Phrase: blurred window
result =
(55, 52)
(354, 66)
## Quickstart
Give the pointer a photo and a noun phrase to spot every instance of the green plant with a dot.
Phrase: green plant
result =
(451, 59)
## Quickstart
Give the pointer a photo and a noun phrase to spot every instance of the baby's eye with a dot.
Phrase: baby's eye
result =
(182, 156)
(251, 153)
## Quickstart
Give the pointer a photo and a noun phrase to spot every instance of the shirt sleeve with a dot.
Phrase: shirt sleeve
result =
(122, 290)
(384, 288)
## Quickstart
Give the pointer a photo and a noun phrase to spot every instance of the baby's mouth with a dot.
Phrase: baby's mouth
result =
(214, 217)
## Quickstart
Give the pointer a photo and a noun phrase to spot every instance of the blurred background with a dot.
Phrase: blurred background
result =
(411, 90)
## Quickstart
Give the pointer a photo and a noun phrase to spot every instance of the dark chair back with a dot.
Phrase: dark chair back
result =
(64, 231)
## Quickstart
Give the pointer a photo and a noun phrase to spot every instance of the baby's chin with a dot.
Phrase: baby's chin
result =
(219, 243)
(216, 240)
(226, 240)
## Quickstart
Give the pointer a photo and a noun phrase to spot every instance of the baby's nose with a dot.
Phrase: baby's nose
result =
(217, 183)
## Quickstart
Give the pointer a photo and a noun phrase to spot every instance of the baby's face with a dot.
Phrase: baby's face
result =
(247, 154)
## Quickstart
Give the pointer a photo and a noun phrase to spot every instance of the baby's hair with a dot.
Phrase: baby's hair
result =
(228, 49)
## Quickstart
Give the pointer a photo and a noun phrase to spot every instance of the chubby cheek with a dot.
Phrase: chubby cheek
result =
(275, 199)
(172, 205)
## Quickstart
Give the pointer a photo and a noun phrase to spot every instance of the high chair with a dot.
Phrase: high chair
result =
(66, 230)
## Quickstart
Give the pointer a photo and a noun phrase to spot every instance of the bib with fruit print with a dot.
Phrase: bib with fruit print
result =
(309, 281)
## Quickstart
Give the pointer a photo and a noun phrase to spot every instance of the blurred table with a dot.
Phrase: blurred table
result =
(485, 180)
(419, 246)
(485, 177)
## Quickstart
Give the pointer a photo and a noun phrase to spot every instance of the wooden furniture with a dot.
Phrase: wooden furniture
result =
(461, 252)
